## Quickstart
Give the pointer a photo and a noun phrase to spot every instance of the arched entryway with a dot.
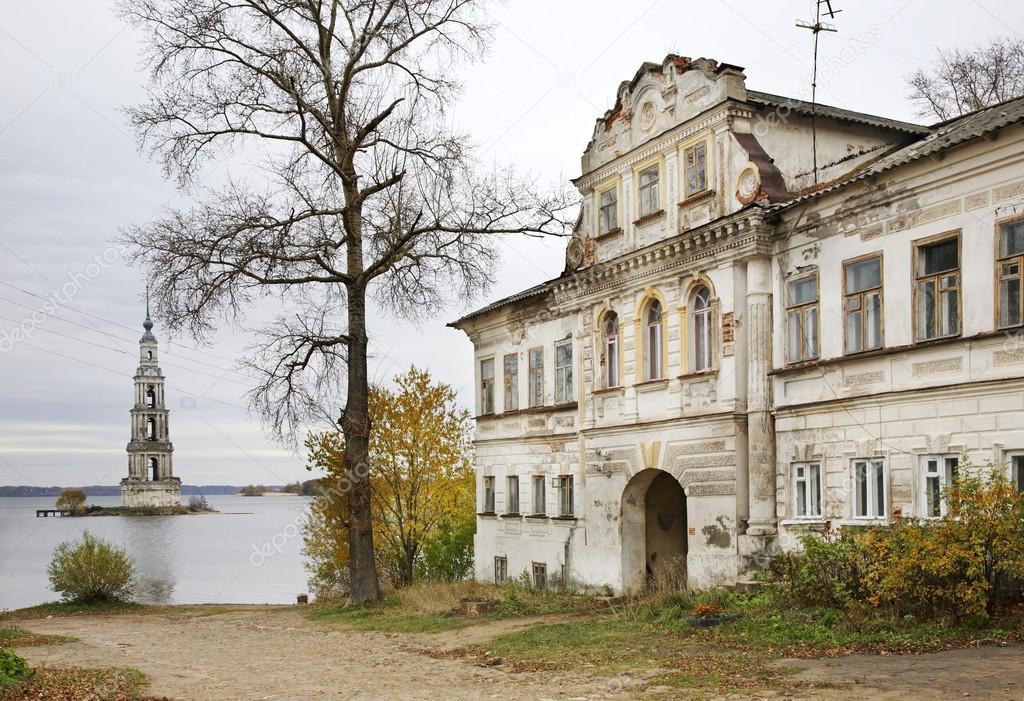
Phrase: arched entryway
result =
(653, 530)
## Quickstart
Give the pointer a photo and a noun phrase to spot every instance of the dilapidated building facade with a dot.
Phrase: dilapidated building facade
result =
(748, 341)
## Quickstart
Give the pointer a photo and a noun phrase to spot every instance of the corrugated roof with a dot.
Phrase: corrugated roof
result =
(534, 291)
(804, 107)
(942, 136)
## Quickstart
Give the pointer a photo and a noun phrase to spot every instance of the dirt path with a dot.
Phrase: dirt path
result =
(278, 654)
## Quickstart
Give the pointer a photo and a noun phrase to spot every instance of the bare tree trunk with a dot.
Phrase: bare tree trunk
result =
(355, 425)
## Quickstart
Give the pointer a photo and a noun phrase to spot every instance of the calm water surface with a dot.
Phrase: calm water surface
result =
(253, 556)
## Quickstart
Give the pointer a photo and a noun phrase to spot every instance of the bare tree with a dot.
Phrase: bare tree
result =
(364, 192)
(964, 81)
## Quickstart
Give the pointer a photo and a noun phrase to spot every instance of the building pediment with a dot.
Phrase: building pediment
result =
(657, 98)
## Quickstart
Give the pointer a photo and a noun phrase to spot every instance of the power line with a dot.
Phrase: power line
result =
(104, 319)
(115, 338)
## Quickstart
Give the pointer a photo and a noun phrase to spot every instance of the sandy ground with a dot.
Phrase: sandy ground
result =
(272, 654)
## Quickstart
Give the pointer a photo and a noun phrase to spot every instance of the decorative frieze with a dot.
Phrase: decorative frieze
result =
(923, 216)
(1009, 191)
(934, 367)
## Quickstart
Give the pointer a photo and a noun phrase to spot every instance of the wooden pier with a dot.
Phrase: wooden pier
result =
(46, 513)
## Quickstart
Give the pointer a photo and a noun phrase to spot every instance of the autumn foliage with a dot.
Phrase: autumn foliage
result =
(967, 564)
(421, 482)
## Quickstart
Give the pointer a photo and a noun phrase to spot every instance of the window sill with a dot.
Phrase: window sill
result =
(609, 390)
(819, 521)
(531, 410)
(651, 384)
(612, 233)
(563, 518)
(648, 218)
(711, 372)
(890, 350)
(512, 514)
(487, 514)
(696, 197)
(536, 517)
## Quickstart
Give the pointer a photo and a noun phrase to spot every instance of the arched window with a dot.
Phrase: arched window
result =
(150, 397)
(151, 429)
(610, 343)
(653, 369)
(702, 338)
(154, 469)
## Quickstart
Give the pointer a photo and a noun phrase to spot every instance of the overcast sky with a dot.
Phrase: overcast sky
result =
(70, 176)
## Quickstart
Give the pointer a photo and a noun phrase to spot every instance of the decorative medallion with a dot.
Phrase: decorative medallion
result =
(647, 116)
(748, 184)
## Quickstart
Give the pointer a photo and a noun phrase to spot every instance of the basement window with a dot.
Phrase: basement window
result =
(500, 570)
(540, 575)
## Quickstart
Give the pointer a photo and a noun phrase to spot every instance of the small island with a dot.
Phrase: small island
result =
(71, 502)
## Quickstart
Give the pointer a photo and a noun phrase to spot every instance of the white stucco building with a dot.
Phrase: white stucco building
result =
(742, 347)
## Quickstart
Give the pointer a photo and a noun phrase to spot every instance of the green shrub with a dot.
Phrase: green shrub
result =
(91, 570)
(828, 571)
(966, 565)
(12, 667)
(71, 500)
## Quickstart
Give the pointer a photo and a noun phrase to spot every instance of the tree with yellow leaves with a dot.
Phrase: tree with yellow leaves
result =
(421, 483)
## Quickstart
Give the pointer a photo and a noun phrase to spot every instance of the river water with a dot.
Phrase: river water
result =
(249, 553)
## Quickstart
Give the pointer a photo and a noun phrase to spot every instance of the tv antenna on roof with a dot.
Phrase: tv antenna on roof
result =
(817, 27)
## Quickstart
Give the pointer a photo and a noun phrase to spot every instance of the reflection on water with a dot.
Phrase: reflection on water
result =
(155, 552)
(202, 558)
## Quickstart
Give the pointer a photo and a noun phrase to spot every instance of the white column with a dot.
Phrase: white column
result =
(760, 423)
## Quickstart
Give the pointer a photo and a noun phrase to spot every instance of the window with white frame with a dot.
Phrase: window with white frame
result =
(695, 159)
(802, 318)
(500, 569)
(1010, 264)
(563, 371)
(536, 376)
(653, 369)
(863, 304)
(565, 496)
(512, 494)
(488, 495)
(610, 342)
(702, 329)
(869, 488)
(608, 211)
(540, 505)
(937, 475)
(937, 279)
(648, 190)
(510, 378)
(1015, 463)
(807, 490)
(487, 386)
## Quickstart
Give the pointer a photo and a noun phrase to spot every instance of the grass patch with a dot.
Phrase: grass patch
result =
(61, 608)
(11, 637)
(430, 608)
(388, 615)
(73, 684)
